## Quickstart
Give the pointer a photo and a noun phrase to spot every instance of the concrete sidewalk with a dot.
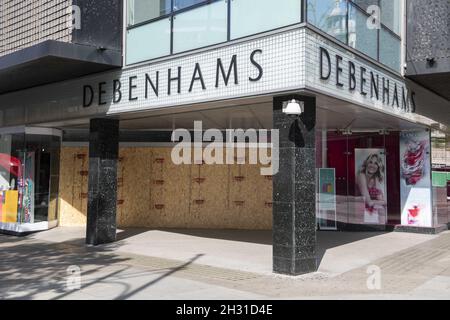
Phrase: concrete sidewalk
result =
(149, 264)
(250, 251)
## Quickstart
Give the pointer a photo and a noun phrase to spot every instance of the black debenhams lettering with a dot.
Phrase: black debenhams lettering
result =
(226, 75)
(390, 90)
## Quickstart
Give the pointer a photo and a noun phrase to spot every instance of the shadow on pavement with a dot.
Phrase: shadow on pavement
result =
(325, 239)
(250, 236)
(31, 269)
(331, 239)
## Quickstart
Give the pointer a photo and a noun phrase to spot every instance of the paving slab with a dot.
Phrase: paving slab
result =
(36, 267)
(247, 250)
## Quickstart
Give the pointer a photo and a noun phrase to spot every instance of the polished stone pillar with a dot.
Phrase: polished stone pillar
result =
(102, 196)
(294, 190)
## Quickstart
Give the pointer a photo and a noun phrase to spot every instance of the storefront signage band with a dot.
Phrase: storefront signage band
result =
(346, 73)
(225, 75)
(359, 77)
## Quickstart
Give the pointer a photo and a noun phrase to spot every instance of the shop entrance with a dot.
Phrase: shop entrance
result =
(29, 179)
(359, 181)
(156, 190)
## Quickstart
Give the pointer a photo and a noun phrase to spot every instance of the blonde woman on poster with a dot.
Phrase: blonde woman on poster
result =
(371, 184)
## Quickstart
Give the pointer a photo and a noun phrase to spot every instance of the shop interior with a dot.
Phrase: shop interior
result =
(29, 178)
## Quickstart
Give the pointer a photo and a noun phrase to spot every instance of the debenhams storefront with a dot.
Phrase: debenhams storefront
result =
(361, 156)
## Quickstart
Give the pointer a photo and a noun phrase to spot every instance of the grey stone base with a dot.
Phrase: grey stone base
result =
(295, 267)
(422, 230)
(364, 227)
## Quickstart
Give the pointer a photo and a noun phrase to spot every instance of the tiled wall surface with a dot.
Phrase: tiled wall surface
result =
(28, 22)
(281, 59)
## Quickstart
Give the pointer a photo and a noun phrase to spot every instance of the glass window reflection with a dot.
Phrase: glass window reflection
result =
(200, 27)
(390, 49)
(181, 4)
(348, 21)
(391, 14)
(270, 15)
(29, 163)
(365, 4)
(360, 36)
(330, 16)
(143, 10)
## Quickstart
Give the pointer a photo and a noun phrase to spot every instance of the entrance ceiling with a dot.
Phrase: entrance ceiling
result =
(257, 113)
(254, 113)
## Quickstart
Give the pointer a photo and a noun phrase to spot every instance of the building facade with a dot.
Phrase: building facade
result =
(96, 97)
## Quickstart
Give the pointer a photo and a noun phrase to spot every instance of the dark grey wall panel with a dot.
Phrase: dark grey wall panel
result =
(428, 44)
(428, 35)
(294, 190)
(102, 200)
(101, 24)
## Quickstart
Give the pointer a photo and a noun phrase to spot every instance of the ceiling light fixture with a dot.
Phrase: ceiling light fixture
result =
(294, 108)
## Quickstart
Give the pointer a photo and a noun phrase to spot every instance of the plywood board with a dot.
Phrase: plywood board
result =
(73, 186)
(153, 192)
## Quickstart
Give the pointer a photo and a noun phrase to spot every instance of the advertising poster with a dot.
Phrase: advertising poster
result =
(327, 198)
(415, 176)
(370, 177)
(28, 189)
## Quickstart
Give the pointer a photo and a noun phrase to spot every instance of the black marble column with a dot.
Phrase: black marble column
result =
(294, 190)
(102, 198)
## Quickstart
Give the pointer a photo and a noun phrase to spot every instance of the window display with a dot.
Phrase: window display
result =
(11, 169)
(440, 176)
(381, 178)
(25, 173)
(26, 214)
(366, 177)
(416, 179)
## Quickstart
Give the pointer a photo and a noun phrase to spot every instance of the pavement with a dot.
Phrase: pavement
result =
(220, 264)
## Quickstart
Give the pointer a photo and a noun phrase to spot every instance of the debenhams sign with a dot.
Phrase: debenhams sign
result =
(226, 74)
(335, 71)
(368, 83)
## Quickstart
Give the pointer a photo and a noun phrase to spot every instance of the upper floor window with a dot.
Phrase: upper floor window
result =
(144, 10)
(162, 27)
(391, 15)
(370, 26)
(181, 4)
(330, 16)
(159, 28)
(253, 16)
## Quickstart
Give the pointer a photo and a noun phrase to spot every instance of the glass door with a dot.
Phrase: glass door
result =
(29, 178)
(358, 178)
(42, 162)
(331, 163)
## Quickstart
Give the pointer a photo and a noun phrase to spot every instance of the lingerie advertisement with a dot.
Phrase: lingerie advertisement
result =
(370, 174)
(415, 175)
